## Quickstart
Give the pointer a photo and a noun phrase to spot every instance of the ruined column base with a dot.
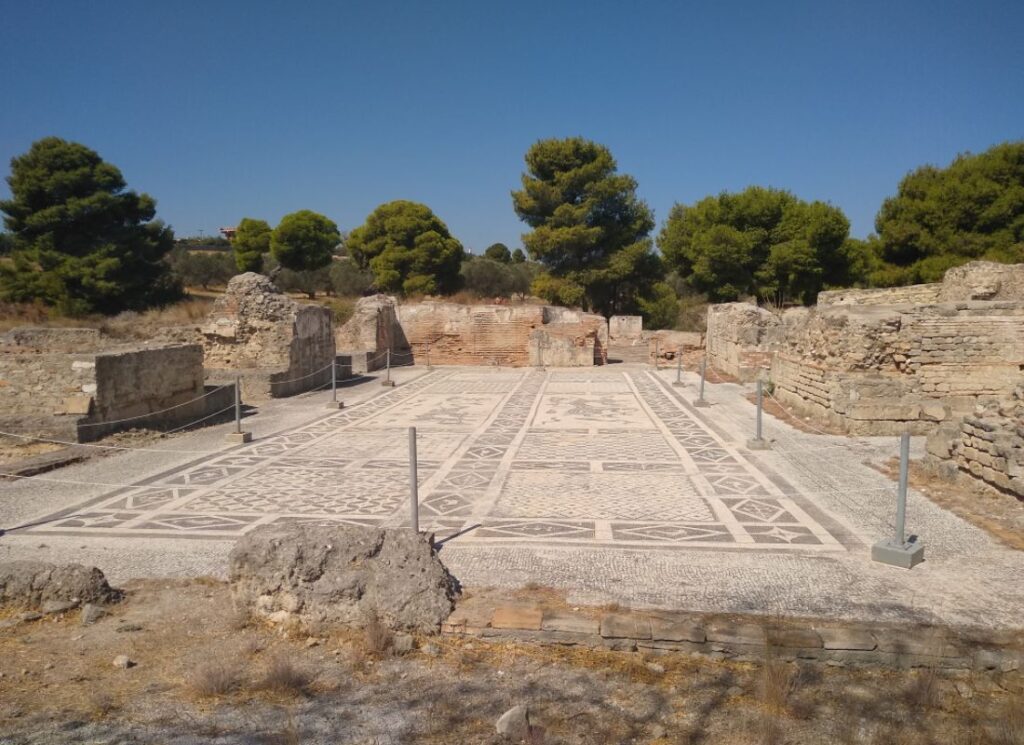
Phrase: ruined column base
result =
(759, 444)
(238, 437)
(335, 405)
(905, 556)
(701, 403)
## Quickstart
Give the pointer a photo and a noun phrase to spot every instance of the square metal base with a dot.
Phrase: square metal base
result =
(388, 383)
(334, 405)
(239, 437)
(678, 384)
(701, 403)
(761, 444)
(904, 556)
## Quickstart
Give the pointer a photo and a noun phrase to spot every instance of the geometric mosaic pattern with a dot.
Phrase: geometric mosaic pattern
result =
(595, 457)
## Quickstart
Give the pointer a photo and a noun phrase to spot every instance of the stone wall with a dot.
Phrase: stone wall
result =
(277, 346)
(372, 330)
(876, 369)
(987, 444)
(508, 335)
(81, 396)
(911, 294)
(625, 328)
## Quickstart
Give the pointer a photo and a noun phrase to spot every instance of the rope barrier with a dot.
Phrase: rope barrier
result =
(303, 377)
(154, 413)
(101, 447)
(197, 421)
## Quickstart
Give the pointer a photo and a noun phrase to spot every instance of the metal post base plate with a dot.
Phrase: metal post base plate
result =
(239, 437)
(701, 403)
(334, 405)
(678, 384)
(388, 383)
(905, 556)
(756, 444)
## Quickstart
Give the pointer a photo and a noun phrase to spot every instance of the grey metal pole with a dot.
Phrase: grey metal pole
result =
(901, 502)
(428, 354)
(414, 496)
(679, 366)
(238, 405)
(760, 401)
(703, 372)
(656, 354)
(388, 378)
(334, 380)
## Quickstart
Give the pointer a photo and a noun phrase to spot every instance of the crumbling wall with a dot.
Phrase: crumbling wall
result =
(909, 295)
(625, 328)
(372, 330)
(509, 335)
(277, 346)
(877, 369)
(83, 395)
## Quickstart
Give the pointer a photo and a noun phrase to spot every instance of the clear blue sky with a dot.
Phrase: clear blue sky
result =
(228, 109)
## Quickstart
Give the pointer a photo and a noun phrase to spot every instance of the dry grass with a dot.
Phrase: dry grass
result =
(1008, 724)
(377, 638)
(216, 677)
(283, 677)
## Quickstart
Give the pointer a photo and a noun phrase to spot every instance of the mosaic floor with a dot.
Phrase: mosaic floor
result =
(599, 456)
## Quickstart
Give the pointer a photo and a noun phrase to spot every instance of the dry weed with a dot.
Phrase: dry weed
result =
(284, 678)
(101, 704)
(215, 677)
(1008, 723)
(377, 638)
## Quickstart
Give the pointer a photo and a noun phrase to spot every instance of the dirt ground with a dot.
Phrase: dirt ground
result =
(203, 673)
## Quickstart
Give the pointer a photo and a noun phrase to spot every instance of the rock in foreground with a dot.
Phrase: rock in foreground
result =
(342, 574)
(33, 583)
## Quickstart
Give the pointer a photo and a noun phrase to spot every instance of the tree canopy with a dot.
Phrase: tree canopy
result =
(759, 241)
(498, 252)
(943, 217)
(304, 241)
(78, 239)
(408, 249)
(589, 228)
(251, 243)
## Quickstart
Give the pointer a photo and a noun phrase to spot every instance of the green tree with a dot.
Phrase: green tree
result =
(348, 279)
(498, 252)
(589, 229)
(408, 249)
(487, 278)
(201, 268)
(251, 243)
(80, 240)
(304, 241)
(757, 242)
(661, 309)
(518, 257)
(943, 217)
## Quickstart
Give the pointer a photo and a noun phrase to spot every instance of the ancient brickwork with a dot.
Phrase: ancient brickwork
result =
(83, 395)
(875, 369)
(625, 328)
(276, 345)
(910, 295)
(506, 335)
(372, 329)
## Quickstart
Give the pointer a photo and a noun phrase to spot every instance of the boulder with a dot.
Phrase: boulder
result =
(35, 583)
(343, 574)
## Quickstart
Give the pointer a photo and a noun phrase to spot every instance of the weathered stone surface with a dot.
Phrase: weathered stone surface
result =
(794, 638)
(36, 583)
(372, 328)
(677, 630)
(285, 347)
(570, 622)
(625, 626)
(736, 633)
(343, 574)
(517, 617)
(847, 639)
(514, 723)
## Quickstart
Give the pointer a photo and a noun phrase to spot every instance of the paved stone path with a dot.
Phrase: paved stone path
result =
(601, 457)
(603, 482)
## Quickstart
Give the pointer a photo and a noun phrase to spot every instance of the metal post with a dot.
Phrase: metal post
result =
(656, 354)
(758, 443)
(679, 367)
(334, 403)
(898, 551)
(540, 362)
(901, 497)
(428, 354)
(389, 364)
(700, 402)
(414, 496)
(238, 435)
(387, 382)
(238, 405)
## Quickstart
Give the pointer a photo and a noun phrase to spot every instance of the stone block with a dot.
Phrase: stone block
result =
(678, 630)
(847, 639)
(81, 405)
(724, 632)
(795, 638)
(238, 437)
(570, 622)
(625, 626)
(517, 617)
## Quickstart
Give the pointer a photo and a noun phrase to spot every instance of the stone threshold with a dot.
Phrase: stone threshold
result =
(743, 638)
